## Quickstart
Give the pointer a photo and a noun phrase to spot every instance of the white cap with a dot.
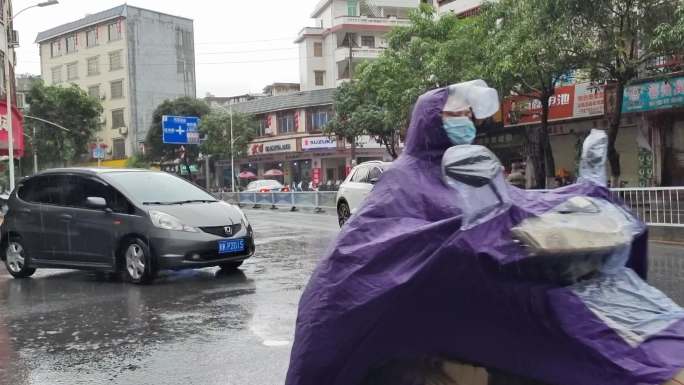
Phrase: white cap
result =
(474, 94)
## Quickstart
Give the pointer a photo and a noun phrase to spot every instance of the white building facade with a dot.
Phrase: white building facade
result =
(131, 59)
(459, 7)
(346, 33)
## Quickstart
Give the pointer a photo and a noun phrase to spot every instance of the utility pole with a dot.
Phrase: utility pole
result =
(232, 155)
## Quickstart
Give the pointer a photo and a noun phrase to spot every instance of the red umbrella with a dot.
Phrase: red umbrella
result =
(274, 172)
(247, 175)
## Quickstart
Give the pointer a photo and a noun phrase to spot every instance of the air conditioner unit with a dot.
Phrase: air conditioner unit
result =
(123, 130)
(103, 97)
(14, 39)
(103, 120)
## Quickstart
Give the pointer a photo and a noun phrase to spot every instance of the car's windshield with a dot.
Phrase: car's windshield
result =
(157, 188)
(270, 183)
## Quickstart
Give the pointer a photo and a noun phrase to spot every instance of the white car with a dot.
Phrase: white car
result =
(356, 187)
(266, 185)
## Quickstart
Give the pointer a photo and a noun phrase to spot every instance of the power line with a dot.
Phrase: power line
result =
(243, 41)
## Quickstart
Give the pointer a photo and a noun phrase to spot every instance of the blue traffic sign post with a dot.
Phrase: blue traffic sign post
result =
(180, 129)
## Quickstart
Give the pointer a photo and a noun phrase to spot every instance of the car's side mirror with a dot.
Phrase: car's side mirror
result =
(96, 203)
(374, 180)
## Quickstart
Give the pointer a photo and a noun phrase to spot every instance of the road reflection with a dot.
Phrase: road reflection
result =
(64, 321)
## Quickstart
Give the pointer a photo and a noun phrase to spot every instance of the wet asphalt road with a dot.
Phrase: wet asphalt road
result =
(192, 327)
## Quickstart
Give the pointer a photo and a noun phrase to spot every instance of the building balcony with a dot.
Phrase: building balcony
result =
(363, 53)
(363, 21)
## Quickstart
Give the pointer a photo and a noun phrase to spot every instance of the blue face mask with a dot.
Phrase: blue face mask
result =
(460, 129)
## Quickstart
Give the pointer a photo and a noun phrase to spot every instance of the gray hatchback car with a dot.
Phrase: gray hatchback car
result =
(131, 221)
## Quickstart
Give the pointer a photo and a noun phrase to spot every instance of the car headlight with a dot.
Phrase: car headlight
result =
(169, 222)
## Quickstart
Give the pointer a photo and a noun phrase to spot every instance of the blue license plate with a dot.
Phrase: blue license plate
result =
(231, 246)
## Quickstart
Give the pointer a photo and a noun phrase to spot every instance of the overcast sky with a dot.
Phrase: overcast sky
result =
(240, 46)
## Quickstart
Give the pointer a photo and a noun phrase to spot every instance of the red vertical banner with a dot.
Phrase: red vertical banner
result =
(296, 120)
(316, 176)
(18, 131)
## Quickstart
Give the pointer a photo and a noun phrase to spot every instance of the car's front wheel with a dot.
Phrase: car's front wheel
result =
(138, 263)
(343, 213)
(16, 259)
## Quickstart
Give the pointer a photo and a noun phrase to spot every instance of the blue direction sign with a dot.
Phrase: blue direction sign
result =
(98, 153)
(180, 129)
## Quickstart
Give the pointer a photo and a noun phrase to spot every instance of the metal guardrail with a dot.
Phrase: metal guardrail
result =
(657, 206)
(317, 200)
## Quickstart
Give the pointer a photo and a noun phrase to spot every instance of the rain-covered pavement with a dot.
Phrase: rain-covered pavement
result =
(192, 327)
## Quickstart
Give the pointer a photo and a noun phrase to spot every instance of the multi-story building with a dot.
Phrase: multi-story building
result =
(346, 33)
(274, 89)
(130, 58)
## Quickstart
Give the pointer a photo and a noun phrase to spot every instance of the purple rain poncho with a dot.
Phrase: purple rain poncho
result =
(403, 280)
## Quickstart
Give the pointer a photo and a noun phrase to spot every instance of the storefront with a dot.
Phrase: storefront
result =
(658, 106)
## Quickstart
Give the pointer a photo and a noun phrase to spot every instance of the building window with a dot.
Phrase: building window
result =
(320, 78)
(318, 118)
(116, 89)
(71, 44)
(368, 41)
(286, 122)
(352, 8)
(118, 119)
(93, 66)
(115, 61)
(94, 91)
(119, 149)
(91, 38)
(318, 49)
(21, 103)
(263, 126)
(56, 48)
(72, 71)
(56, 75)
(114, 31)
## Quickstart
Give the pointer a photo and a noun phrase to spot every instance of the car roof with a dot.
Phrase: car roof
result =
(383, 165)
(90, 170)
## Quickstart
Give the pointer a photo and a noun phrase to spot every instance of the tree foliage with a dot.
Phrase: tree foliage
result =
(155, 149)
(70, 107)
(527, 51)
(378, 101)
(215, 127)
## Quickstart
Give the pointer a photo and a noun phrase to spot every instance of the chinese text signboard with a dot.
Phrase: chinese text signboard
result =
(520, 110)
(589, 100)
(654, 95)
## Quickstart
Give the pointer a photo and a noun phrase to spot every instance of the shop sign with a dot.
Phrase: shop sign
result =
(521, 110)
(366, 141)
(589, 100)
(655, 95)
(273, 147)
(319, 142)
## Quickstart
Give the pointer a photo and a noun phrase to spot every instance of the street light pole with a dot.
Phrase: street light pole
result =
(33, 140)
(232, 155)
(8, 87)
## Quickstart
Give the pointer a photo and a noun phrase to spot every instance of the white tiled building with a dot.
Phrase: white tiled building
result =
(346, 28)
(132, 59)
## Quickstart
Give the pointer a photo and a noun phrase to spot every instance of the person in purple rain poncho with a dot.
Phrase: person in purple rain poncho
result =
(415, 278)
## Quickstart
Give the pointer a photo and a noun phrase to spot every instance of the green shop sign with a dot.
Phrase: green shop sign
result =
(655, 95)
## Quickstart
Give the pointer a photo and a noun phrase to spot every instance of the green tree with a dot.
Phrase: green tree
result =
(527, 53)
(155, 149)
(70, 107)
(621, 37)
(430, 52)
(215, 127)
